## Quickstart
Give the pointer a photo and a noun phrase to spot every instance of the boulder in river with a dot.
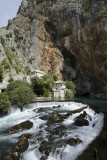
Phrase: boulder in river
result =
(80, 121)
(45, 147)
(55, 117)
(57, 130)
(19, 127)
(75, 111)
(73, 141)
(21, 146)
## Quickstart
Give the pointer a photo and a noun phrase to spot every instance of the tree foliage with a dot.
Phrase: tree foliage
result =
(43, 87)
(21, 96)
(15, 84)
(1, 73)
(4, 102)
(20, 93)
(70, 85)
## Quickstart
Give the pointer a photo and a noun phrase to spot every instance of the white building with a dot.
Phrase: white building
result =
(59, 89)
(37, 73)
(3, 87)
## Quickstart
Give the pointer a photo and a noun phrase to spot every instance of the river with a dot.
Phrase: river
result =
(62, 150)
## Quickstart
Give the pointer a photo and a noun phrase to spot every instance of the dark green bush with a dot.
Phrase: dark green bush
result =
(70, 85)
(55, 77)
(15, 84)
(42, 87)
(1, 73)
(4, 102)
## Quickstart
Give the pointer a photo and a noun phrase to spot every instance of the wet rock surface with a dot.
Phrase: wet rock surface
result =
(73, 141)
(74, 111)
(55, 118)
(19, 127)
(21, 146)
(57, 130)
(80, 121)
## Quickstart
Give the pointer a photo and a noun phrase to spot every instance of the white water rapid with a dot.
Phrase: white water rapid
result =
(39, 118)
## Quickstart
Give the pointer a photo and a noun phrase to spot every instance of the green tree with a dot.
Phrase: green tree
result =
(15, 84)
(70, 85)
(55, 77)
(37, 85)
(48, 81)
(21, 96)
(4, 102)
(1, 73)
(43, 86)
(46, 92)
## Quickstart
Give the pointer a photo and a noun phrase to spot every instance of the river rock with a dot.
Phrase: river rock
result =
(57, 130)
(19, 127)
(73, 141)
(80, 121)
(45, 147)
(21, 146)
(55, 117)
(74, 111)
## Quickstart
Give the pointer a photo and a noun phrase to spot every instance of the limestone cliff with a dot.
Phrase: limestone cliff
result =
(63, 37)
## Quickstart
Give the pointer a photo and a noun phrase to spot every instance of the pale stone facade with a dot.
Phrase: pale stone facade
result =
(3, 87)
(37, 73)
(59, 89)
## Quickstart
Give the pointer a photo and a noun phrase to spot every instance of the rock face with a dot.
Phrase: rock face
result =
(20, 127)
(66, 38)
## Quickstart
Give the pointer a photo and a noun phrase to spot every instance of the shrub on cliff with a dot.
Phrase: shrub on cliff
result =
(1, 73)
(70, 85)
(4, 102)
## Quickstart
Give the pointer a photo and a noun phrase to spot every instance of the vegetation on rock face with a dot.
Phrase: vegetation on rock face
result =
(6, 65)
(71, 89)
(4, 102)
(2, 41)
(70, 85)
(1, 73)
(100, 16)
(87, 7)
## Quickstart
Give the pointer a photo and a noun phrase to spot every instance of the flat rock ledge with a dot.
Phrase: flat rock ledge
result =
(19, 127)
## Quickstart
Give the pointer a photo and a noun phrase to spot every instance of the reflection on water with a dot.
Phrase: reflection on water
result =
(96, 102)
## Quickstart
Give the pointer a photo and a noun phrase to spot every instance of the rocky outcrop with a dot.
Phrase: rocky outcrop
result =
(73, 141)
(21, 146)
(19, 127)
(81, 121)
(66, 38)
(54, 118)
(75, 111)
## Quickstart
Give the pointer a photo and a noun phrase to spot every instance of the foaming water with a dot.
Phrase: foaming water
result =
(39, 118)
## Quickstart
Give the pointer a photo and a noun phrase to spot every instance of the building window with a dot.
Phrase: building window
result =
(56, 88)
